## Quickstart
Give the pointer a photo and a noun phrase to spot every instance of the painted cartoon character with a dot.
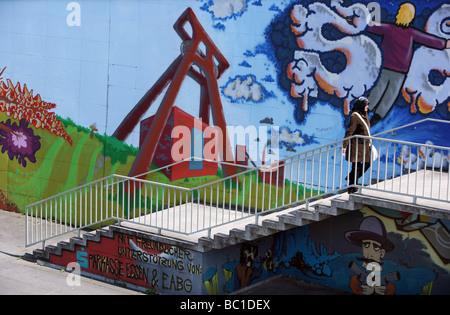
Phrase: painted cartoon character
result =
(398, 49)
(432, 67)
(371, 236)
(246, 271)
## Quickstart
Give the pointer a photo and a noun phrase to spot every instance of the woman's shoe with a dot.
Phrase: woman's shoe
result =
(352, 190)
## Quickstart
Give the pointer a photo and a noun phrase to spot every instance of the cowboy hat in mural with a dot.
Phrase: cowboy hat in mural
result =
(370, 228)
(367, 277)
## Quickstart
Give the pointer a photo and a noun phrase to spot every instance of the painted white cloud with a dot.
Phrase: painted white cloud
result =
(294, 137)
(227, 8)
(244, 88)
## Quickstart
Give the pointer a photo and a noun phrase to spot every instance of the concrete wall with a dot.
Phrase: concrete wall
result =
(139, 261)
(409, 252)
(411, 256)
(75, 69)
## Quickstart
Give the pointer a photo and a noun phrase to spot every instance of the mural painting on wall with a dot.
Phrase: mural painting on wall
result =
(154, 266)
(328, 53)
(31, 133)
(368, 252)
(34, 143)
(312, 60)
(331, 45)
(24, 111)
(309, 61)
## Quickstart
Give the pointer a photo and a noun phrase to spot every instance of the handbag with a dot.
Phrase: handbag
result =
(373, 151)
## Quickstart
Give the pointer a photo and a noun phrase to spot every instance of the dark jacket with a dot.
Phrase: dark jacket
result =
(356, 127)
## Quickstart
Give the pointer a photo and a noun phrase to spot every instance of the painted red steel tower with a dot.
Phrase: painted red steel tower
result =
(212, 65)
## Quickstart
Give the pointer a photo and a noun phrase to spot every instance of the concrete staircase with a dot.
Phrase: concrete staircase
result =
(235, 233)
(248, 229)
(280, 221)
(95, 236)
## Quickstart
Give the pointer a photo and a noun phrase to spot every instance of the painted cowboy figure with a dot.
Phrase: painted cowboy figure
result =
(367, 280)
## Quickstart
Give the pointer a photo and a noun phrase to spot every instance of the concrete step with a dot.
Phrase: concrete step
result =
(424, 207)
(225, 240)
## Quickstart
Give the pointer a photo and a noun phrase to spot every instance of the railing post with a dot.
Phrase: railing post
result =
(26, 226)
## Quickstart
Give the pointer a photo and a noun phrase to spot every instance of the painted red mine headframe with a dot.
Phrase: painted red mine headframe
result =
(212, 64)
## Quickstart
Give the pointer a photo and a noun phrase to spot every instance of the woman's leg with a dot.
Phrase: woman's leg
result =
(359, 168)
(362, 168)
(351, 178)
(356, 168)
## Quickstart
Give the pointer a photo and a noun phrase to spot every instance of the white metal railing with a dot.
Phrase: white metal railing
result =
(254, 191)
(412, 127)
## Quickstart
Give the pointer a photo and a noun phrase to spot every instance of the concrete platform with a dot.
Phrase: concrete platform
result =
(426, 185)
(227, 233)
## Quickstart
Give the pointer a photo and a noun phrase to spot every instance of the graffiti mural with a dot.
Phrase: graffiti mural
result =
(371, 237)
(331, 44)
(367, 252)
(371, 251)
(297, 68)
(155, 267)
(426, 95)
(307, 72)
(19, 103)
(293, 66)
(397, 46)
(41, 152)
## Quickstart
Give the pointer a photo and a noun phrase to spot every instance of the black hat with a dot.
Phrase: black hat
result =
(370, 228)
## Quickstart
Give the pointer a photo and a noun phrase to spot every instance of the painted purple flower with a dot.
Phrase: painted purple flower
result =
(19, 141)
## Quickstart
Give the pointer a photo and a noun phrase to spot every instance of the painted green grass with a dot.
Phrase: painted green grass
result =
(61, 167)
